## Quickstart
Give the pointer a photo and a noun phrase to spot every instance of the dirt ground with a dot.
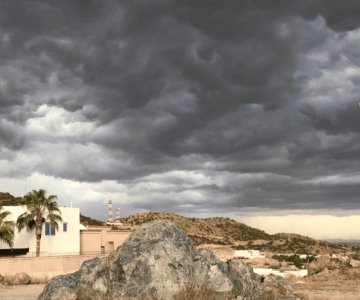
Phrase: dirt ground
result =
(21, 292)
(324, 286)
(330, 290)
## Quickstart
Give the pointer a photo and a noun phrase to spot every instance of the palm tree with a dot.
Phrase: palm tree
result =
(6, 228)
(38, 207)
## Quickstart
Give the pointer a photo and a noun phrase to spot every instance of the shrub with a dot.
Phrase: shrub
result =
(275, 267)
(356, 255)
(295, 259)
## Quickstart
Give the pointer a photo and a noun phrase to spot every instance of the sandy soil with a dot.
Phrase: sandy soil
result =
(331, 290)
(21, 292)
(327, 286)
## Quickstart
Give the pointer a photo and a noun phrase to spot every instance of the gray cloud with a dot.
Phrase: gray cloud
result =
(258, 96)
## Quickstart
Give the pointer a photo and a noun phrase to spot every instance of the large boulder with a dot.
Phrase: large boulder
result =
(354, 263)
(21, 279)
(158, 262)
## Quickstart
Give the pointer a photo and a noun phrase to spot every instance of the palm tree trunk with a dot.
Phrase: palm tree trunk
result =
(38, 229)
(38, 239)
(38, 232)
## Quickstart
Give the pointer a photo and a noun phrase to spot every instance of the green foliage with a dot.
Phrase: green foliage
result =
(39, 208)
(89, 221)
(295, 259)
(6, 228)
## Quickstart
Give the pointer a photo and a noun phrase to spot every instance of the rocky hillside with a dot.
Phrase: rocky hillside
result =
(6, 199)
(90, 221)
(216, 230)
(225, 231)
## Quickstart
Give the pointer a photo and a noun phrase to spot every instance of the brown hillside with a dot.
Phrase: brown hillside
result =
(6, 199)
(216, 230)
(225, 231)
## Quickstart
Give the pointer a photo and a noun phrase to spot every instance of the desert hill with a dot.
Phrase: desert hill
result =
(215, 230)
(6, 199)
(225, 231)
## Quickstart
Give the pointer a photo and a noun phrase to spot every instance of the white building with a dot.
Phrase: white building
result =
(65, 241)
(249, 254)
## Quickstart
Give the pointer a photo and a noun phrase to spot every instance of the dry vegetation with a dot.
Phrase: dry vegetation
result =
(7, 199)
(225, 231)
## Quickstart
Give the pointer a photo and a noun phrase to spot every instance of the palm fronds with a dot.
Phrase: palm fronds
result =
(6, 228)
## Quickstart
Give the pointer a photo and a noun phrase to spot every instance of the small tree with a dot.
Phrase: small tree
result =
(38, 206)
(6, 228)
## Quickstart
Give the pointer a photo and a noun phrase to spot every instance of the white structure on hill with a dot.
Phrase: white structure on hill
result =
(65, 241)
(249, 254)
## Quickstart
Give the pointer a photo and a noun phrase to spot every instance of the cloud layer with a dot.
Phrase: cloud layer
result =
(183, 106)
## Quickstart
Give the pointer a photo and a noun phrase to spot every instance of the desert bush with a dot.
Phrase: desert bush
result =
(275, 267)
(295, 259)
(195, 291)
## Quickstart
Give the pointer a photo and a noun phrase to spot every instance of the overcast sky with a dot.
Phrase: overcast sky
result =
(196, 107)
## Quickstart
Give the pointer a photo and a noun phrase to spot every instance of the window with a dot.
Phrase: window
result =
(49, 229)
(64, 227)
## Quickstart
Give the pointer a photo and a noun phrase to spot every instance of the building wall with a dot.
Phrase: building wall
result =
(90, 242)
(62, 243)
(97, 240)
(42, 266)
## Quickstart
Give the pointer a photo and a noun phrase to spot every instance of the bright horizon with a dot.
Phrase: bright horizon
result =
(325, 227)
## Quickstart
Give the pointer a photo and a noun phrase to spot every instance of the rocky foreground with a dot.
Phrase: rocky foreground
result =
(158, 262)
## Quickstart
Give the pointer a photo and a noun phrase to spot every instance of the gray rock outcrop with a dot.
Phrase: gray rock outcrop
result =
(159, 262)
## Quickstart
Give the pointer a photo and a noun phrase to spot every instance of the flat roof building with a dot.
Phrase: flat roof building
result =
(65, 241)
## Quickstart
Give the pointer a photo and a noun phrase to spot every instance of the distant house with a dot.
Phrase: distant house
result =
(65, 241)
(248, 254)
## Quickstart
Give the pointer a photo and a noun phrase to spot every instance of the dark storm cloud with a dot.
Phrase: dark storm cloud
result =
(339, 16)
(263, 92)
